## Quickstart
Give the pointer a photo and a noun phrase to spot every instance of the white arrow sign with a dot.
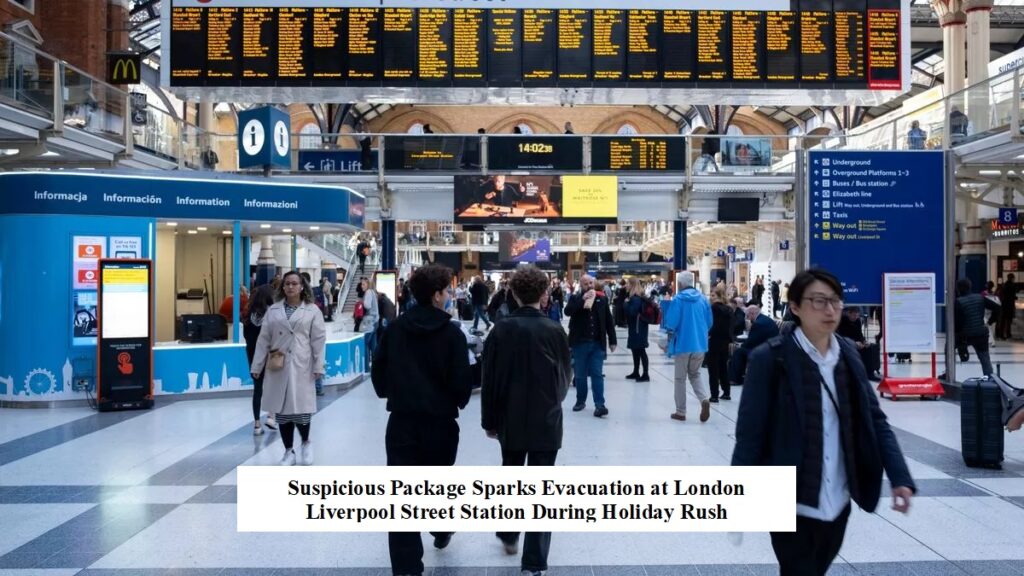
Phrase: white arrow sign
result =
(308, 166)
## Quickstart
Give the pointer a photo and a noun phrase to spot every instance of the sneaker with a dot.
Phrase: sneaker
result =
(441, 540)
(307, 453)
(713, 400)
(644, 378)
(725, 397)
(532, 573)
(288, 459)
(257, 430)
(511, 546)
(600, 411)
(705, 411)
(632, 376)
(270, 423)
(579, 406)
(678, 416)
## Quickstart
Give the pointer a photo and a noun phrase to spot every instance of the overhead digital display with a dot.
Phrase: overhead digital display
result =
(423, 153)
(637, 153)
(563, 153)
(816, 44)
(506, 199)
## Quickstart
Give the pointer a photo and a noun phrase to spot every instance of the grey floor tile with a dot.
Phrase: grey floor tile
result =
(764, 569)
(456, 571)
(19, 560)
(71, 560)
(939, 568)
(990, 568)
(883, 569)
(354, 572)
(570, 571)
(1018, 500)
(215, 495)
(842, 569)
(26, 446)
(723, 570)
(124, 572)
(246, 572)
(619, 571)
(939, 487)
(664, 570)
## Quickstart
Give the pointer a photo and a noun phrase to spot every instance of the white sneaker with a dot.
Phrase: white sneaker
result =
(270, 423)
(257, 430)
(307, 453)
(288, 459)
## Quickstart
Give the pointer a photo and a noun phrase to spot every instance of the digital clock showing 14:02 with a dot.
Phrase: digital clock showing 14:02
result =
(536, 148)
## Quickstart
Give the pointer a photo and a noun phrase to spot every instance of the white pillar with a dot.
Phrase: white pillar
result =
(978, 52)
(953, 22)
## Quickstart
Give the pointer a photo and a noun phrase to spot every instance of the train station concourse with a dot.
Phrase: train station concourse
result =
(337, 245)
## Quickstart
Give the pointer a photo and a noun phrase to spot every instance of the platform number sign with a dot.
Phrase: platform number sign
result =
(731, 249)
(1008, 216)
(265, 138)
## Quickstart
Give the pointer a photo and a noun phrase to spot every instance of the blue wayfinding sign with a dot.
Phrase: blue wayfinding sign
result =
(331, 161)
(731, 249)
(264, 138)
(1008, 216)
(876, 212)
(185, 198)
(784, 245)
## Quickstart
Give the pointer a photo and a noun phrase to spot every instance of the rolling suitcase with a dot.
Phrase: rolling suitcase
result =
(981, 423)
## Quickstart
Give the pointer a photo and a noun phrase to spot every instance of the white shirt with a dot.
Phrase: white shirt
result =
(835, 491)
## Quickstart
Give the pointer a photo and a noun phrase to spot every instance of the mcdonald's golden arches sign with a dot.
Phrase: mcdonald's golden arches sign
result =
(124, 68)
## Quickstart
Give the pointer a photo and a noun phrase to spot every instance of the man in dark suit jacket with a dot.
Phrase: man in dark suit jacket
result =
(762, 328)
(807, 403)
(850, 327)
(591, 334)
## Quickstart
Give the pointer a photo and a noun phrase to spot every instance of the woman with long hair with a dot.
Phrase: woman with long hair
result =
(718, 344)
(260, 301)
(291, 348)
(637, 331)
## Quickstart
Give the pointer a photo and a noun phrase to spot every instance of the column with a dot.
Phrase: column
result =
(208, 125)
(953, 22)
(679, 245)
(972, 256)
(266, 266)
(239, 277)
(388, 245)
(978, 50)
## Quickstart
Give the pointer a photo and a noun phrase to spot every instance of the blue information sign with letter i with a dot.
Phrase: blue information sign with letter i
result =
(1008, 216)
(876, 212)
(264, 138)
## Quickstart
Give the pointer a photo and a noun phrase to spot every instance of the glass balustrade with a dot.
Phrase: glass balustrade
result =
(27, 80)
(91, 105)
(160, 135)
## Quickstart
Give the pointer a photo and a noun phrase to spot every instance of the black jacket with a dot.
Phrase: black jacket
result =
(722, 322)
(525, 377)
(421, 365)
(770, 424)
(762, 329)
(479, 294)
(851, 329)
(969, 315)
(579, 316)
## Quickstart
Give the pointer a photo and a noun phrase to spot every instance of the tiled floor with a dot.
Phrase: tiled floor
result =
(152, 493)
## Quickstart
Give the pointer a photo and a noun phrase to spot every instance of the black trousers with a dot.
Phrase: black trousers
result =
(257, 395)
(871, 357)
(718, 367)
(536, 544)
(417, 441)
(811, 549)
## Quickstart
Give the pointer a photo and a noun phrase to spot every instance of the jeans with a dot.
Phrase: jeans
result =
(371, 344)
(414, 440)
(588, 359)
(480, 313)
(980, 345)
(536, 544)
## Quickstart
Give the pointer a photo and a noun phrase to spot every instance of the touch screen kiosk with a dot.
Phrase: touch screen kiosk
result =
(124, 346)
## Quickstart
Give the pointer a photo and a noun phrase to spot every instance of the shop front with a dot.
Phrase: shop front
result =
(200, 235)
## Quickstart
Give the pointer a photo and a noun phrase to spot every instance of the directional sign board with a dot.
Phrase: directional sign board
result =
(1008, 216)
(873, 213)
(331, 161)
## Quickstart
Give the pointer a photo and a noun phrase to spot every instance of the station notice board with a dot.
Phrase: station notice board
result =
(909, 326)
(124, 347)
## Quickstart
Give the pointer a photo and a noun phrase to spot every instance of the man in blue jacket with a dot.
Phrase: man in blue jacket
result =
(688, 322)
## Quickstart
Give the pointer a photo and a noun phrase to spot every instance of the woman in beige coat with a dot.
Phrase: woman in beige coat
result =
(291, 347)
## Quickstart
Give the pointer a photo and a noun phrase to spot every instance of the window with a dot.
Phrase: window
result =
(627, 130)
(524, 128)
(29, 5)
(416, 128)
(309, 138)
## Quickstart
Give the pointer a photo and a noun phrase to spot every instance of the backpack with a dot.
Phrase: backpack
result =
(650, 313)
(359, 310)
(386, 308)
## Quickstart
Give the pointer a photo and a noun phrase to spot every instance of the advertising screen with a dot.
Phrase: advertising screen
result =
(520, 247)
(125, 310)
(505, 199)
(747, 152)
(387, 283)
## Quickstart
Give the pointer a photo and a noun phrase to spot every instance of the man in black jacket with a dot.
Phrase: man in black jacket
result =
(851, 327)
(762, 328)
(807, 403)
(526, 373)
(478, 293)
(421, 367)
(591, 334)
(969, 320)
(1008, 307)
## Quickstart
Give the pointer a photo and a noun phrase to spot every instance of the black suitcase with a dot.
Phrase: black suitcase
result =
(466, 311)
(981, 423)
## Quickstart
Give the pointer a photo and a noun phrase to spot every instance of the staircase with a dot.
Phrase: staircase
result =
(350, 300)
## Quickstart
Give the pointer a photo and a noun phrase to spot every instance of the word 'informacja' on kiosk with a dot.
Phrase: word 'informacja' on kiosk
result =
(124, 347)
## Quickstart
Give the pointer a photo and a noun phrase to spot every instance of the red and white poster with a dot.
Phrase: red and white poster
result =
(86, 252)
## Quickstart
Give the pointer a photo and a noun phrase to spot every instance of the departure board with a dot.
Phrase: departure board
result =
(574, 40)
(637, 154)
(564, 153)
(816, 44)
(610, 43)
(423, 153)
(540, 47)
